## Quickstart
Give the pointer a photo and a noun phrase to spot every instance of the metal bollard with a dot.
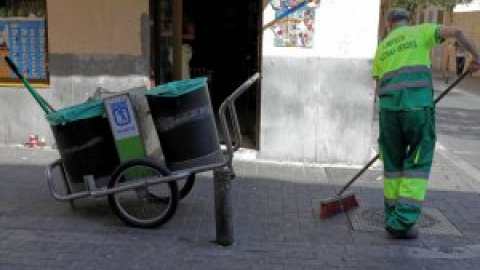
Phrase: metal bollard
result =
(67, 184)
(223, 205)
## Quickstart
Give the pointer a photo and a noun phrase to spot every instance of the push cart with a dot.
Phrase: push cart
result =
(142, 192)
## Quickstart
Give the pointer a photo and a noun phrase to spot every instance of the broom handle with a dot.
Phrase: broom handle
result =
(457, 80)
(440, 97)
(286, 13)
(345, 187)
(47, 108)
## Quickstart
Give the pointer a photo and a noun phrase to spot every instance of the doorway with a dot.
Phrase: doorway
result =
(226, 50)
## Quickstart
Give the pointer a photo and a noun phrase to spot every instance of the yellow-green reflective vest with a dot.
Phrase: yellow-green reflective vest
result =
(402, 67)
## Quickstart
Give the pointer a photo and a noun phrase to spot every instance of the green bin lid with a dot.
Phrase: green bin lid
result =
(178, 88)
(77, 112)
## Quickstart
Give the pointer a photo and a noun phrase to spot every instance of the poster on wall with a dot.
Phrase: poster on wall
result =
(295, 26)
(24, 41)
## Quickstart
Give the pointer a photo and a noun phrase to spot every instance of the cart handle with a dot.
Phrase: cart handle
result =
(229, 103)
(51, 185)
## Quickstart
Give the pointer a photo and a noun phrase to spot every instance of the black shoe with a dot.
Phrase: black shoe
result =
(409, 235)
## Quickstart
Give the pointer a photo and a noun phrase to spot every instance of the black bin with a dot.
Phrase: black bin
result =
(185, 123)
(84, 140)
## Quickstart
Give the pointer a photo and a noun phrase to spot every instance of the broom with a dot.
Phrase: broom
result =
(47, 108)
(344, 202)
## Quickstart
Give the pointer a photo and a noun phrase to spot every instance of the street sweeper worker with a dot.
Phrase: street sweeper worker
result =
(402, 69)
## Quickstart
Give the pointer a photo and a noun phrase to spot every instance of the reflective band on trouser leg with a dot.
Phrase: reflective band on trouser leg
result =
(413, 188)
(391, 187)
(390, 192)
(408, 206)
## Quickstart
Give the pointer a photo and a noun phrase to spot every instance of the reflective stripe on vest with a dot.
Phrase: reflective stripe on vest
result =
(405, 70)
(388, 82)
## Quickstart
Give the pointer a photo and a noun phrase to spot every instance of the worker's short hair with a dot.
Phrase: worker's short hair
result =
(398, 14)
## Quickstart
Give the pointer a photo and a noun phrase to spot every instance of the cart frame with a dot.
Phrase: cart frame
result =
(223, 170)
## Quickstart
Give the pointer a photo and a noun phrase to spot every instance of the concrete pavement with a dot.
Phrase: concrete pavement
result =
(276, 223)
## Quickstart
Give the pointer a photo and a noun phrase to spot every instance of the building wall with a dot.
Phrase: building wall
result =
(317, 104)
(465, 17)
(99, 27)
(470, 23)
(91, 43)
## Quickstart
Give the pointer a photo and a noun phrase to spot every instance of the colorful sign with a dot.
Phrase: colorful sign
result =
(24, 41)
(297, 28)
(125, 130)
(121, 117)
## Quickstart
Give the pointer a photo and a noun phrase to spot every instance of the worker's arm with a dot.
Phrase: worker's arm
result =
(453, 32)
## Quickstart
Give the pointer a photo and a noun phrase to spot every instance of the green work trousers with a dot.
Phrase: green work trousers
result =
(407, 142)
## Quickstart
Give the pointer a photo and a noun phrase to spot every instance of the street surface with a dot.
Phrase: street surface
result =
(276, 216)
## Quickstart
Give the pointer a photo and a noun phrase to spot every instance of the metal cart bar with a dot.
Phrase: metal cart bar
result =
(93, 191)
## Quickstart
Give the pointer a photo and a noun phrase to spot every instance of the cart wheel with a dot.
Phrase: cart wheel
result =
(187, 186)
(184, 190)
(141, 207)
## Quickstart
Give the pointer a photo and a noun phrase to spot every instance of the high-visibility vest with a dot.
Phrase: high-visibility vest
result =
(402, 67)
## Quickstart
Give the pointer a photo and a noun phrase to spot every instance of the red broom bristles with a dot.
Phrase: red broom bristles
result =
(334, 206)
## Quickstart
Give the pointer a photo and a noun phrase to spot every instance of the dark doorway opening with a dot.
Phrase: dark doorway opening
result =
(226, 50)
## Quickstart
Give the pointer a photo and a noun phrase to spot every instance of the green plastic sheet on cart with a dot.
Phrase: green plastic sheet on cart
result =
(77, 112)
(178, 88)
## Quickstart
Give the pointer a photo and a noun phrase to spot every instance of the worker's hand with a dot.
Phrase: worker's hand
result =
(474, 65)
